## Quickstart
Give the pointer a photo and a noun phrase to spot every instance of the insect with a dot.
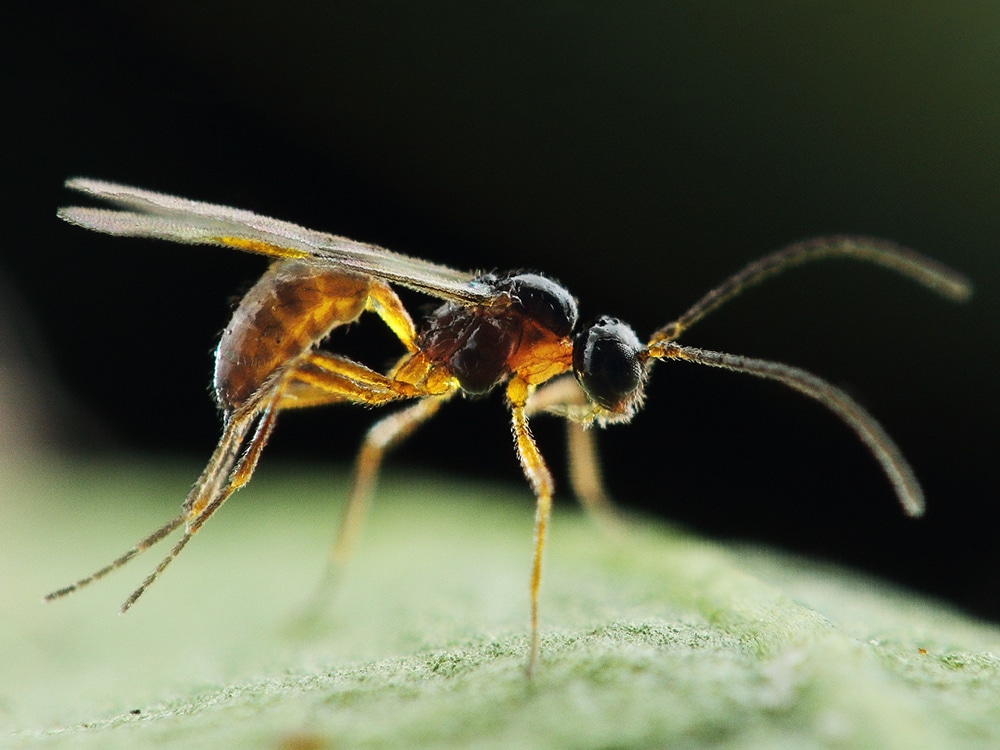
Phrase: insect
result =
(515, 330)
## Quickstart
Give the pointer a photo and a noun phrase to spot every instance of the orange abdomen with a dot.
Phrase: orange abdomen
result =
(285, 314)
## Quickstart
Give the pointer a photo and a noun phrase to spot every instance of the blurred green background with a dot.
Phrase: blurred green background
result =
(639, 153)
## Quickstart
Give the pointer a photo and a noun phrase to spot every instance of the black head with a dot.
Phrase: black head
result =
(610, 367)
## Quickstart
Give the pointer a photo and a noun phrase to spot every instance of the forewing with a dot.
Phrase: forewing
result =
(150, 214)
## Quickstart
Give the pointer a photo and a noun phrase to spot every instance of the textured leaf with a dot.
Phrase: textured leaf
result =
(651, 637)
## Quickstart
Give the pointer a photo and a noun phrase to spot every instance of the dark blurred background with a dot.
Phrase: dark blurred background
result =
(638, 152)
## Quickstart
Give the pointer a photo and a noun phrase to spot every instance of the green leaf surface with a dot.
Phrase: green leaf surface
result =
(650, 637)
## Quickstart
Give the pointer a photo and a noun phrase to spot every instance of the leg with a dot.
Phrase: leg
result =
(540, 479)
(563, 396)
(210, 493)
(383, 302)
(383, 436)
(325, 378)
(585, 476)
(236, 427)
(203, 499)
(321, 378)
(207, 505)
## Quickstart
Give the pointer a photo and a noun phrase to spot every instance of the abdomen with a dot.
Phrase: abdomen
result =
(285, 314)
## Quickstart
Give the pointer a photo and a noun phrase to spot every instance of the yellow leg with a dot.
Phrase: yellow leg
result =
(320, 378)
(585, 477)
(326, 378)
(236, 427)
(217, 482)
(383, 302)
(564, 397)
(383, 436)
(206, 506)
(540, 479)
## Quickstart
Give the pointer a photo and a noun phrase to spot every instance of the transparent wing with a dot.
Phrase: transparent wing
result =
(148, 214)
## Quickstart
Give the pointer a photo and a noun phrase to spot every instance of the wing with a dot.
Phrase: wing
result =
(148, 214)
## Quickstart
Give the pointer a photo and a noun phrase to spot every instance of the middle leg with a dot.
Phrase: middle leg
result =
(325, 378)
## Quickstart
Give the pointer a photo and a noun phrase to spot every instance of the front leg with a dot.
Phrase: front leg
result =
(564, 397)
(540, 479)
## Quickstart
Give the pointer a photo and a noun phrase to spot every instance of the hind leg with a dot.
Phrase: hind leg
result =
(216, 483)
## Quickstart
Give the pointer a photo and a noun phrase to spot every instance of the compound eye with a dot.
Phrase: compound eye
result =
(607, 365)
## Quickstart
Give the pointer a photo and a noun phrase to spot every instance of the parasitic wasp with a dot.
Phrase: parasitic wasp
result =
(515, 330)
